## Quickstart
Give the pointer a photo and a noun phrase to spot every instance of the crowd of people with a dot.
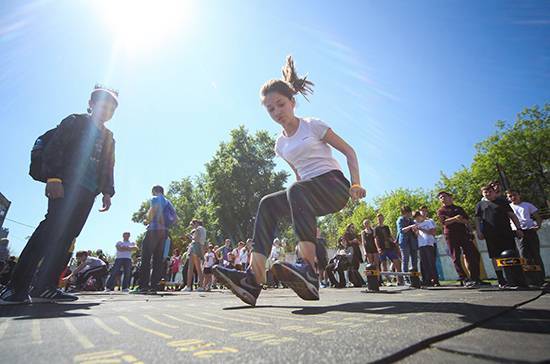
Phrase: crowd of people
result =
(76, 161)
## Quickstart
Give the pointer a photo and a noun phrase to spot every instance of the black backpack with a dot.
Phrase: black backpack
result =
(35, 169)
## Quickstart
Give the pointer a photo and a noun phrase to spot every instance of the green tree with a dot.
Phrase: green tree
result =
(523, 151)
(238, 176)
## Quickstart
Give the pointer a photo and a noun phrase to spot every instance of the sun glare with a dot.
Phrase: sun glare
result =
(144, 24)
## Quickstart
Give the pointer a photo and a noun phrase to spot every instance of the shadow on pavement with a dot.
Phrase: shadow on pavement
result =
(45, 310)
(524, 320)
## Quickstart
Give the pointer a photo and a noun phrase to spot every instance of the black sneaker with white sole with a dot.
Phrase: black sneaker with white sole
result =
(300, 277)
(8, 296)
(52, 295)
(242, 284)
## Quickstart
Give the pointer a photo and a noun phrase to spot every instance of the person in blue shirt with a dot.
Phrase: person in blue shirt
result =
(153, 243)
(408, 243)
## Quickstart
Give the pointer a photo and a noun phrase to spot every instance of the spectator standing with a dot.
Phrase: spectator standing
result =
(209, 261)
(195, 254)
(408, 243)
(385, 245)
(454, 220)
(426, 240)
(367, 238)
(123, 261)
(175, 264)
(493, 215)
(530, 222)
(154, 241)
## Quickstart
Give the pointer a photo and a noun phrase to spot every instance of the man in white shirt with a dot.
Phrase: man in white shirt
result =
(530, 222)
(123, 261)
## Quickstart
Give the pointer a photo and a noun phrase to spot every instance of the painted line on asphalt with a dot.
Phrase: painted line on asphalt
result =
(194, 323)
(83, 340)
(308, 330)
(102, 357)
(203, 319)
(160, 322)
(231, 318)
(104, 326)
(35, 332)
(277, 317)
(145, 329)
(263, 338)
(197, 347)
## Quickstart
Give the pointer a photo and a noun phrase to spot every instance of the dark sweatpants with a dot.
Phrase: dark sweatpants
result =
(427, 264)
(304, 201)
(52, 239)
(153, 245)
(464, 244)
(529, 248)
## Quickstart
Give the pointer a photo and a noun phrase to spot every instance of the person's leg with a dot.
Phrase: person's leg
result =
(147, 247)
(455, 253)
(158, 259)
(472, 259)
(529, 248)
(271, 209)
(413, 249)
(405, 253)
(127, 269)
(75, 209)
(114, 272)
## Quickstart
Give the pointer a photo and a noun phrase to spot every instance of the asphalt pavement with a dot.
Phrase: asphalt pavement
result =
(445, 324)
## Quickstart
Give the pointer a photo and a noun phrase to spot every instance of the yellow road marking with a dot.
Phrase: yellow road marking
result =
(203, 319)
(145, 329)
(83, 340)
(264, 316)
(100, 355)
(307, 330)
(194, 323)
(3, 328)
(268, 339)
(35, 333)
(225, 317)
(104, 357)
(159, 322)
(105, 327)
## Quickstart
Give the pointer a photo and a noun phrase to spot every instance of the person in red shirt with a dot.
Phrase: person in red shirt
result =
(454, 220)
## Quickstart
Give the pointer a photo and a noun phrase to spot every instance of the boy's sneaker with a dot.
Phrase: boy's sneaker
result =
(242, 284)
(125, 290)
(9, 296)
(187, 289)
(138, 291)
(200, 289)
(52, 295)
(300, 277)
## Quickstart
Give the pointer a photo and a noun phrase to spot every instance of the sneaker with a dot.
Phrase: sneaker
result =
(187, 289)
(125, 290)
(472, 284)
(138, 291)
(506, 287)
(107, 290)
(242, 284)
(300, 277)
(9, 296)
(52, 295)
(200, 289)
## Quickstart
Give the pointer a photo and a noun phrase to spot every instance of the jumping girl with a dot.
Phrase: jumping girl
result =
(320, 189)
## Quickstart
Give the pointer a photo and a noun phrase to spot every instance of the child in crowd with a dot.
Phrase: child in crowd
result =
(425, 231)
(209, 261)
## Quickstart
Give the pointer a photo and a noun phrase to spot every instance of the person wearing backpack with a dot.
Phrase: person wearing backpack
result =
(76, 161)
(160, 217)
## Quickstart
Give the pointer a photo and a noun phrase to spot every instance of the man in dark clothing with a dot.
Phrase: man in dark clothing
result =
(454, 220)
(78, 162)
(493, 215)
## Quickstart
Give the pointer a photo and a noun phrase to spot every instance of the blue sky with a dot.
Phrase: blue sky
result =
(411, 85)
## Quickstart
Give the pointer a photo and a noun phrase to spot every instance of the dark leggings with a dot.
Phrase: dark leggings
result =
(304, 201)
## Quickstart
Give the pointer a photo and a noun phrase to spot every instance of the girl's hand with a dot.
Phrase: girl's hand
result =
(357, 192)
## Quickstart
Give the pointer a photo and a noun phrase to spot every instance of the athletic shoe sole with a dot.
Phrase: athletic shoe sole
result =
(12, 303)
(243, 294)
(50, 300)
(289, 277)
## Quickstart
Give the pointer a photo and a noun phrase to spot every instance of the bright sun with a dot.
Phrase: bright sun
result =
(144, 24)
